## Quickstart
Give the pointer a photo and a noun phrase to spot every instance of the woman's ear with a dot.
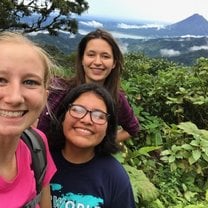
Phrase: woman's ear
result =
(47, 93)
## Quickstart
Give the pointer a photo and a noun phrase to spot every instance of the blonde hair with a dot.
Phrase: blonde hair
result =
(15, 37)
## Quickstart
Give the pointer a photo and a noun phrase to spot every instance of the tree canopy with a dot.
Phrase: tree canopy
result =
(38, 15)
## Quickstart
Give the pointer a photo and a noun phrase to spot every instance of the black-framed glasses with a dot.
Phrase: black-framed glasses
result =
(79, 111)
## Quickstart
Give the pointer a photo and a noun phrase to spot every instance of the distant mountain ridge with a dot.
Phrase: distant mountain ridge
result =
(183, 42)
(193, 25)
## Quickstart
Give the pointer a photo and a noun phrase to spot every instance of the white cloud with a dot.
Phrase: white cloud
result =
(127, 26)
(83, 32)
(197, 48)
(93, 23)
(39, 32)
(188, 37)
(169, 52)
(123, 35)
(123, 47)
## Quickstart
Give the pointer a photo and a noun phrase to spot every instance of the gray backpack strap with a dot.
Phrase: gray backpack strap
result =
(33, 202)
(39, 161)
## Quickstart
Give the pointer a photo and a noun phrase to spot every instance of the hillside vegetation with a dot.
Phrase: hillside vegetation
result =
(168, 162)
(171, 102)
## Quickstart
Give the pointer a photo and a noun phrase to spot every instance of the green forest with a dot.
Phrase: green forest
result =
(168, 162)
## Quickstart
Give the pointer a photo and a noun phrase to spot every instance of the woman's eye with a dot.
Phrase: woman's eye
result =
(98, 115)
(90, 55)
(3, 81)
(78, 110)
(31, 82)
(106, 56)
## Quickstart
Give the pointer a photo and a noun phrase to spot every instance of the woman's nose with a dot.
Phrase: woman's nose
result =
(87, 118)
(97, 60)
(14, 94)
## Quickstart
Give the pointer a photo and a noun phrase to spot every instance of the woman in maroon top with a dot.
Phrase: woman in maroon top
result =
(99, 60)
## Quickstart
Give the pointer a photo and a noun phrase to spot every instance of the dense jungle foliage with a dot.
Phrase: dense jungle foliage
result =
(168, 162)
(171, 102)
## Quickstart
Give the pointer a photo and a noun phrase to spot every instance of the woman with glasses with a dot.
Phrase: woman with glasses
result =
(82, 140)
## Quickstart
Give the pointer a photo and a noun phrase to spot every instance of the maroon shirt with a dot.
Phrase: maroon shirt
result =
(126, 118)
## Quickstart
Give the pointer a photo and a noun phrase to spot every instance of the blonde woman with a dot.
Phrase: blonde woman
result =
(24, 74)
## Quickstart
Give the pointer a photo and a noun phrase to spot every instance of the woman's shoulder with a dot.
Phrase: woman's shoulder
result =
(126, 116)
(58, 89)
(59, 83)
(123, 101)
(111, 164)
(116, 172)
(122, 95)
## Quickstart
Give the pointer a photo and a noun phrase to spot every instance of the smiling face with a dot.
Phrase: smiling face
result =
(83, 133)
(22, 88)
(98, 61)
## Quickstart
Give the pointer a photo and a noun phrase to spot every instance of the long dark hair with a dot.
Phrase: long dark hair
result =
(112, 82)
(56, 136)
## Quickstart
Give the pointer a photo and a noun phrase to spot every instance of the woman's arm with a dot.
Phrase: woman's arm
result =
(122, 135)
(127, 120)
(45, 201)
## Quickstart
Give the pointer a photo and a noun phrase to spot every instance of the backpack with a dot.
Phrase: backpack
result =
(39, 162)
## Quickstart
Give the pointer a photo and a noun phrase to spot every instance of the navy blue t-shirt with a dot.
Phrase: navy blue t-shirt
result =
(99, 183)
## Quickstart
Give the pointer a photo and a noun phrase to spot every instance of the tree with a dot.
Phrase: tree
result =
(38, 15)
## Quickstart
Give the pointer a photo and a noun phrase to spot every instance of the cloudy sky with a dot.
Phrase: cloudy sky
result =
(170, 11)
